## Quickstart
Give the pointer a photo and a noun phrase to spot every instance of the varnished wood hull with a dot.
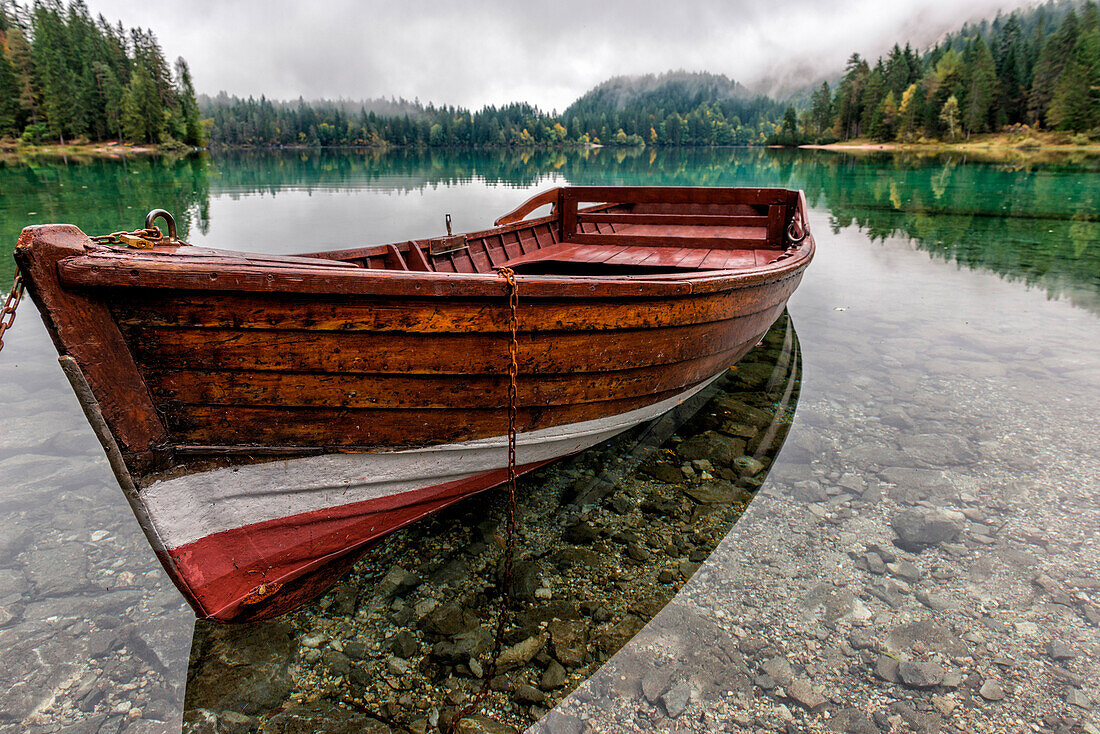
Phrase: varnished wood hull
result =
(274, 415)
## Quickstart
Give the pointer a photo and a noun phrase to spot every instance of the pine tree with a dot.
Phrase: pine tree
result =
(110, 94)
(189, 108)
(982, 87)
(1010, 60)
(142, 114)
(1075, 104)
(9, 95)
(849, 95)
(53, 70)
(821, 109)
(22, 59)
(1048, 69)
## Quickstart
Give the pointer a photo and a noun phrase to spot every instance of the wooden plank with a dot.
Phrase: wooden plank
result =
(694, 258)
(554, 252)
(729, 259)
(386, 353)
(665, 257)
(341, 427)
(309, 389)
(511, 244)
(776, 222)
(673, 195)
(81, 327)
(541, 199)
(629, 256)
(146, 308)
(712, 220)
(632, 239)
(395, 259)
(592, 254)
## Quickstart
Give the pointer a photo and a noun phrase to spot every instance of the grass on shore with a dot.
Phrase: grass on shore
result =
(1017, 143)
(10, 149)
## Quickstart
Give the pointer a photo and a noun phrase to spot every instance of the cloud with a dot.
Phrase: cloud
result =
(495, 51)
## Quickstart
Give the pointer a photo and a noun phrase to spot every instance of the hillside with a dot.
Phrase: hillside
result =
(674, 108)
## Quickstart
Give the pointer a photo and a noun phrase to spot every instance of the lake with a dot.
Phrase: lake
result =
(915, 548)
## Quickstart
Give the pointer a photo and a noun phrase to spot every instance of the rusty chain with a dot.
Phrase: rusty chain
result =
(509, 549)
(11, 302)
(149, 236)
(140, 238)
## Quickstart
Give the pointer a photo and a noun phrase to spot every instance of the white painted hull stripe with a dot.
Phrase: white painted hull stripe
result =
(185, 509)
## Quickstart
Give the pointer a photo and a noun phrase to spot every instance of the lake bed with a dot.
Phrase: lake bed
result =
(921, 556)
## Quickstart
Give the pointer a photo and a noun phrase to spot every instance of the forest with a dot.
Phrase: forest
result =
(1037, 67)
(676, 108)
(66, 77)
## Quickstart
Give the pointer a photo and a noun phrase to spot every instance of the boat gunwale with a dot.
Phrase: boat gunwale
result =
(113, 267)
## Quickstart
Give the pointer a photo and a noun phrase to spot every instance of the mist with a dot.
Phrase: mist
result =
(495, 52)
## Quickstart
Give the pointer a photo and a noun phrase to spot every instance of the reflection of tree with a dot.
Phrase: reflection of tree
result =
(1036, 223)
(99, 195)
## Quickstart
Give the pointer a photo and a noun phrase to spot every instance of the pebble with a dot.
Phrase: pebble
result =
(1058, 650)
(676, 699)
(991, 690)
(553, 677)
(886, 668)
(919, 529)
(920, 674)
(312, 641)
(521, 653)
(527, 693)
(803, 692)
(779, 670)
(1077, 697)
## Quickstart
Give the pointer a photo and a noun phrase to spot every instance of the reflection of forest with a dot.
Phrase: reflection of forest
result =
(1039, 223)
(99, 195)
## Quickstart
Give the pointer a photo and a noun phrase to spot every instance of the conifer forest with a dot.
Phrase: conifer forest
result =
(68, 76)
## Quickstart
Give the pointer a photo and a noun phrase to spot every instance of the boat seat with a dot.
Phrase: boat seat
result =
(578, 259)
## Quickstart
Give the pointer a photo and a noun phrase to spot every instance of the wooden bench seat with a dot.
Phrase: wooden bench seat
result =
(641, 257)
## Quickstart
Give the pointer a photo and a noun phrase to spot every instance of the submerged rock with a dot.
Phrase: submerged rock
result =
(719, 449)
(918, 529)
(243, 669)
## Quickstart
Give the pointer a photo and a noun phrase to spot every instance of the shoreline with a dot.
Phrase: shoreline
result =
(995, 146)
(1034, 144)
(104, 149)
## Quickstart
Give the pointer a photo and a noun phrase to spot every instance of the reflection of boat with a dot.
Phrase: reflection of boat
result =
(268, 415)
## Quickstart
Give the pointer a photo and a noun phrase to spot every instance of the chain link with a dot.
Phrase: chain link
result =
(11, 302)
(140, 238)
(509, 549)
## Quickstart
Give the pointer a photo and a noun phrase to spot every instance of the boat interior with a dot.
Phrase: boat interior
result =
(619, 231)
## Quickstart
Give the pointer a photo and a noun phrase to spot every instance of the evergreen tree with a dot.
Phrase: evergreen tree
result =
(821, 109)
(1048, 69)
(143, 117)
(982, 88)
(1075, 104)
(849, 97)
(189, 108)
(9, 97)
(1010, 71)
(54, 71)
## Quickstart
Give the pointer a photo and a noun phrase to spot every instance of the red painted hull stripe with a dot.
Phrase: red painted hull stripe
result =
(221, 570)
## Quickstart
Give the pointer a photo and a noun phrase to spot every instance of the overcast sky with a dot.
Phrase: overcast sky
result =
(547, 53)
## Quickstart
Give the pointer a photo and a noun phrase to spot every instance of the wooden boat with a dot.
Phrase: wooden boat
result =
(269, 416)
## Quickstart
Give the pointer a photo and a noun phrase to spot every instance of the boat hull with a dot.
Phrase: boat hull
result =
(237, 536)
(270, 416)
